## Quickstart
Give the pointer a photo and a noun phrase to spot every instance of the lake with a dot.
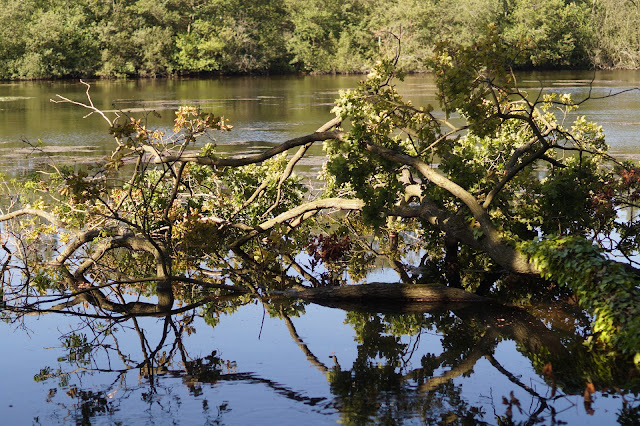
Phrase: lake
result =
(247, 360)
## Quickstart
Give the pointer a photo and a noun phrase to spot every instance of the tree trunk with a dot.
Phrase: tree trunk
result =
(451, 266)
(385, 293)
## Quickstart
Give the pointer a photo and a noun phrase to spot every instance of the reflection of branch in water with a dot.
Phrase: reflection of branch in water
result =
(280, 389)
(534, 418)
(484, 346)
(515, 326)
(514, 379)
(518, 325)
(409, 352)
(180, 346)
(292, 330)
(305, 349)
(124, 358)
(150, 358)
(299, 269)
(128, 310)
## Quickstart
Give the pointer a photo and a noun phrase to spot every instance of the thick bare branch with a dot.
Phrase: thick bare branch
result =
(387, 292)
(490, 242)
(456, 227)
(50, 217)
(251, 159)
(174, 192)
(80, 240)
(325, 203)
(436, 178)
(128, 241)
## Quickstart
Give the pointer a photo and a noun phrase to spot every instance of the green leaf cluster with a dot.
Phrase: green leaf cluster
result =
(604, 288)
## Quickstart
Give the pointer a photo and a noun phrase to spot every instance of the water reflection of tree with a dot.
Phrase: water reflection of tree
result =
(383, 387)
(163, 356)
(95, 347)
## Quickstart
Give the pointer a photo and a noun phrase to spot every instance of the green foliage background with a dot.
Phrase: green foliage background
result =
(115, 38)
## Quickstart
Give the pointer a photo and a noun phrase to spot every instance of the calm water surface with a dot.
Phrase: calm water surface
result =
(273, 364)
(263, 110)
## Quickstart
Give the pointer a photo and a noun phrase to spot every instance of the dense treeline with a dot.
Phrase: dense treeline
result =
(111, 38)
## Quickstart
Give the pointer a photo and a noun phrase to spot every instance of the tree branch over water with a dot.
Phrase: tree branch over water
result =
(469, 198)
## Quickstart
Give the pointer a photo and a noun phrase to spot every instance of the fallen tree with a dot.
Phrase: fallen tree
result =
(469, 194)
(387, 293)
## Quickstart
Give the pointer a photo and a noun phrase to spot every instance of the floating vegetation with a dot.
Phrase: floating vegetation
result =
(14, 98)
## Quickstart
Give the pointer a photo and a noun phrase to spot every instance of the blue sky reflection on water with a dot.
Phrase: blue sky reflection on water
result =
(269, 380)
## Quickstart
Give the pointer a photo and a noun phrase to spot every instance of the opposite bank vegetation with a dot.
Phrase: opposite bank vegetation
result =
(148, 38)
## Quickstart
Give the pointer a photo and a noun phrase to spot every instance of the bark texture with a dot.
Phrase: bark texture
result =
(387, 292)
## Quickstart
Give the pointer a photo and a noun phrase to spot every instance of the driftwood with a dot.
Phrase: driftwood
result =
(409, 296)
